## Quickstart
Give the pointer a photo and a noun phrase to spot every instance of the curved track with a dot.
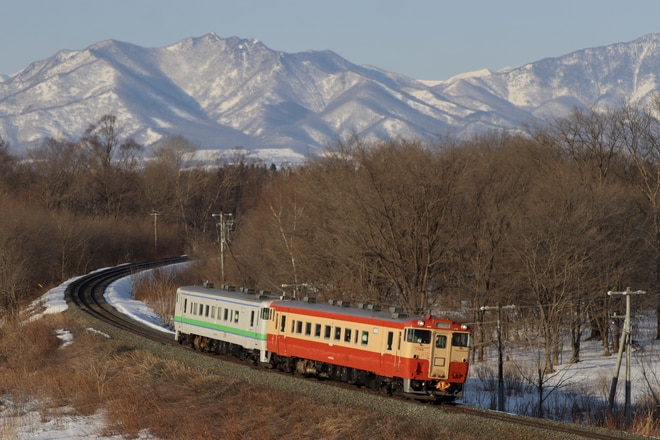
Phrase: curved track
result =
(87, 293)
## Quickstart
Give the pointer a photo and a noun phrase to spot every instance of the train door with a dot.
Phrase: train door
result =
(439, 355)
(281, 335)
(393, 347)
(391, 355)
(252, 320)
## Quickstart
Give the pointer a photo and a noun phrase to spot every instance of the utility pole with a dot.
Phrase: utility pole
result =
(626, 340)
(223, 223)
(500, 363)
(156, 214)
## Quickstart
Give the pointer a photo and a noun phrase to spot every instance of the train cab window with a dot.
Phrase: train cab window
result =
(328, 331)
(337, 333)
(440, 341)
(460, 339)
(390, 338)
(283, 323)
(419, 336)
(265, 315)
(365, 337)
(308, 329)
(317, 330)
(347, 335)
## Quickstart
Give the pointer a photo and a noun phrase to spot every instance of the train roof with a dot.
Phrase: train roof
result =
(245, 295)
(359, 311)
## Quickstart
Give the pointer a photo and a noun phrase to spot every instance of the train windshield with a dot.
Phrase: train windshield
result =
(419, 336)
(460, 339)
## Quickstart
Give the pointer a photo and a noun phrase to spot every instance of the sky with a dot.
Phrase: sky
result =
(423, 39)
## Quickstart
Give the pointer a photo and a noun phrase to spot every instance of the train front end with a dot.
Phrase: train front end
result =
(436, 352)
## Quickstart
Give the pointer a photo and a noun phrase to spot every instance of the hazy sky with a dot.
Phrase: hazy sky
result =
(424, 39)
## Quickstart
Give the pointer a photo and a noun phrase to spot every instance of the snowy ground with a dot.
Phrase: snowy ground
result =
(590, 378)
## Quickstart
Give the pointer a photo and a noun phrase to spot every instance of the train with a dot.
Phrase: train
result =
(418, 357)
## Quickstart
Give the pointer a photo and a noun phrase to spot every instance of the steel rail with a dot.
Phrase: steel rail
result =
(87, 293)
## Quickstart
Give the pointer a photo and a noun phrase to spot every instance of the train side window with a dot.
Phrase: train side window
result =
(317, 330)
(236, 316)
(207, 311)
(337, 333)
(185, 304)
(308, 329)
(347, 335)
(213, 312)
(299, 325)
(283, 323)
(390, 338)
(440, 341)
(328, 331)
(252, 318)
(365, 337)
(293, 326)
(357, 335)
(226, 314)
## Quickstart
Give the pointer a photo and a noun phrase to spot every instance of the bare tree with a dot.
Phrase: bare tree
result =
(640, 130)
(111, 168)
(492, 190)
(387, 214)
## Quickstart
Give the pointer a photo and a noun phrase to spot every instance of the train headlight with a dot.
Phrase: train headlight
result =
(464, 327)
(420, 323)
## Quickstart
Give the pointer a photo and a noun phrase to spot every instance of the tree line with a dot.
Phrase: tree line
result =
(548, 220)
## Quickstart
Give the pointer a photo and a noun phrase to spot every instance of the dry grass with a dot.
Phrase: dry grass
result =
(157, 288)
(139, 391)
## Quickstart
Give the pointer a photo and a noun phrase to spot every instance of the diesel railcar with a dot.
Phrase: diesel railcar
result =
(421, 357)
(223, 321)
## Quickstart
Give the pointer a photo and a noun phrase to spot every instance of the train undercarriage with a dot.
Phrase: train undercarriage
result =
(432, 391)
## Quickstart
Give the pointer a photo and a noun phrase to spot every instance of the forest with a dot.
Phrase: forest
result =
(549, 220)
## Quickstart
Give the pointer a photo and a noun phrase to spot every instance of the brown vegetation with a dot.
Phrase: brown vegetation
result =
(548, 221)
(139, 391)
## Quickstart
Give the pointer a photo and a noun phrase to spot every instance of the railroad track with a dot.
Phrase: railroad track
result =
(87, 293)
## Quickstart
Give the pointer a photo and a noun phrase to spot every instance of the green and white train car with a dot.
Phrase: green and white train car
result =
(223, 321)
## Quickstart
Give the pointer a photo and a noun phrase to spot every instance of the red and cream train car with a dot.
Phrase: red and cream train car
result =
(422, 357)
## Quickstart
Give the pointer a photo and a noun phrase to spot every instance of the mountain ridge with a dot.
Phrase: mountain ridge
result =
(227, 93)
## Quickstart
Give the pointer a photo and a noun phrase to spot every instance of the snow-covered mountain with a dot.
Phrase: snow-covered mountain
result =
(227, 93)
